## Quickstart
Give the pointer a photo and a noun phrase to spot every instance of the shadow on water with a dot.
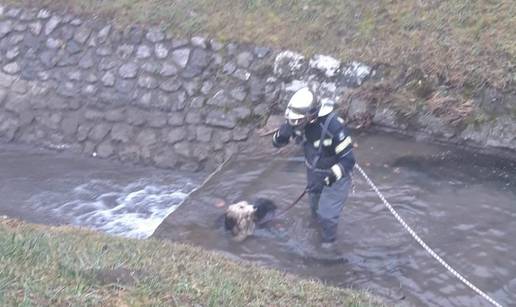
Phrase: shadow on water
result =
(462, 205)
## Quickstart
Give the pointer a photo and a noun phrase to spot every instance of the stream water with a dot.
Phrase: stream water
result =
(462, 204)
(44, 187)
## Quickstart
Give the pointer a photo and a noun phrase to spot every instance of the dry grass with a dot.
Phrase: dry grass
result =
(49, 266)
(463, 42)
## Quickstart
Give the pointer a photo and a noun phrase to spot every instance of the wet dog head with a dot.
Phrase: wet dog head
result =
(240, 220)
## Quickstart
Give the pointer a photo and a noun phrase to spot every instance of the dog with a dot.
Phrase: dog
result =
(241, 218)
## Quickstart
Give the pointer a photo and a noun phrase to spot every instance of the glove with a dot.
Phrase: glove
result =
(282, 136)
(335, 174)
(285, 131)
(330, 179)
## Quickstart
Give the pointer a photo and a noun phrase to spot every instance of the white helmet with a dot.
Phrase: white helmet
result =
(304, 107)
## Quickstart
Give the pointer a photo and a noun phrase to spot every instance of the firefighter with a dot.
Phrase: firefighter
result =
(329, 159)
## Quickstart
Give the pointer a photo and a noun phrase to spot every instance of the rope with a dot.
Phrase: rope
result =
(217, 170)
(423, 244)
(284, 211)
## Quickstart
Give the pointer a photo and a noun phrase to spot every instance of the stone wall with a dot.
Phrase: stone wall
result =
(137, 94)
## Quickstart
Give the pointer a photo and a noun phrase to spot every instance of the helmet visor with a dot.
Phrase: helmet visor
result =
(297, 122)
(294, 118)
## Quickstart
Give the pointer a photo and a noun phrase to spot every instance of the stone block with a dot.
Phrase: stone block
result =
(125, 51)
(3, 96)
(103, 34)
(180, 57)
(151, 67)
(203, 134)
(5, 28)
(261, 52)
(155, 35)
(104, 51)
(199, 60)
(201, 151)
(175, 135)
(12, 68)
(193, 118)
(239, 93)
(82, 34)
(6, 80)
(52, 24)
(73, 47)
(13, 12)
(170, 85)
(165, 158)
(122, 132)
(176, 119)
(135, 116)
(99, 132)
(105, 149)
(289, 65)
(183, 149)
(125, 86)
(240, 134)
(216, 45)
(220, 99)
(147, 82)
(191, 87)
(219, 118)
(54, 43)
(147, 138)
(67, 89)
(241, 113)
(128, 70)
(200, 42)
(108, 63)
(34, 28)
(88, 60)
(161, 51)
(49, 120)
(143, 52)
(43, 14)
(17, 103)
(168, 70)
(70, 124)
(12, 53)
(242, 74)
(229, 68)
(83, 131)
(197, 102)
(66, 32)
(89, 90)
(245, 59)
(156, 119)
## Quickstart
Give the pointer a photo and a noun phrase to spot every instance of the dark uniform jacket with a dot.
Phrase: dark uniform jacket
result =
(323, 154)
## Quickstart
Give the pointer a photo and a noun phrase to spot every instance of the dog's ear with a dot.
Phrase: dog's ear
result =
(229, 222)
(266, 203)
(263, 207)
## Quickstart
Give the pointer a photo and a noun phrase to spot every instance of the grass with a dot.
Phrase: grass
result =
(462, 41)
(60, 266)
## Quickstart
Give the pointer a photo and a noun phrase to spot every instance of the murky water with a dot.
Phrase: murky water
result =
(42, 187)
(462, 205)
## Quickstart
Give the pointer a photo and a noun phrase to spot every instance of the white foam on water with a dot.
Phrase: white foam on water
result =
(135, 210)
